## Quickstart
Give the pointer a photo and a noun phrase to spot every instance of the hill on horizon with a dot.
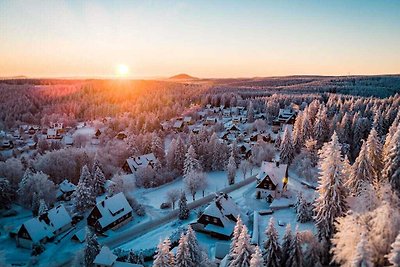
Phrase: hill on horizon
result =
(182, 76)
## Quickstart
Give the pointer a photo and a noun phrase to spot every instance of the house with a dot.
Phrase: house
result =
(79, 236)
(106, 258)
(65, 190)
(110, 213)
(132, 164)
(287, 115)
(188, 120)
(7, 144)
(210, 121)
(219, 218)
(53, 134)
(57, 125)
(43, 228)
(68, 140)
(178, 125)
(272, 180)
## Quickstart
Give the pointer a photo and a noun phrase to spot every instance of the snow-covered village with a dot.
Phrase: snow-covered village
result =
(277, 170)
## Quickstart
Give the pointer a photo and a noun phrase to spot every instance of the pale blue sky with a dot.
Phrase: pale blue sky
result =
(202, 38)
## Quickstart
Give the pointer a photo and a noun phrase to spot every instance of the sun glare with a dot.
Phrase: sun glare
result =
(122, 70)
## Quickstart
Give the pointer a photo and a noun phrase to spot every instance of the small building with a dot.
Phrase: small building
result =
(65, 190)
(132, 164)
(110, 213)
(178, 125)
(272, 180)
(219, 218)
(210, 121)
(188, 120)
(43, 228)
(68, 140)
(106, 258)
(52, 133)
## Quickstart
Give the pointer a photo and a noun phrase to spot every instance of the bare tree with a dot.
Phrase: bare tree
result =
(173, 196)
(194, 181)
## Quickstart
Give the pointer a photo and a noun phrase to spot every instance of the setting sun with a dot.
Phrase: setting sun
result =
(122, 70)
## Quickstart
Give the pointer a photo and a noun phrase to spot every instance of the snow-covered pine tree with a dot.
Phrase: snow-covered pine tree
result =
(361, 172)
(42, 207)
(179, 156)
(295, 258)
(320, 126)
(331, 202)
(170, 156)
(287, 149)
(92, 248)
(195, 251)
(235, 236)
(157, 147)
(394, 255)
(250, 112)
(306, 125)
(286, 245)
(312, 253)
(6, 193)
(231, 169)
(99, 179)
(388, 139)
(235, 152)
(191, 163)
(257, 259)
(163, 257)
(362, 258)
(304, 213)
(182, 254)
(272, 250)
(183, 209)
(298, 135)
(374, 155)
(391, 170)
(84, 197)
(243, 250)
(35, 203)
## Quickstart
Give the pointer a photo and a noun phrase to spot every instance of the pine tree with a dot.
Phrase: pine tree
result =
(179, 156)
(257, 259)
(231, 169)
(182, 254)
(331, 202)
(394, 255)
(362, 257)
(295, 258)
(84, 196)
(272, 250)
(243, 250)
(374, 154)
(191, 163)
(304, 213)
(306, 125)
(195, 251)
(6, 193)
(235, 236)
(312, 254)
(286, 245)
(298, 134)
(250, 112)
(235, 152)
(361, 172)
(92, 248)
(287, 149)
(42, 207)
(157, 147)
(391, 170)
(99, 179)
(163, 257)
(321, 126)
(183, 209)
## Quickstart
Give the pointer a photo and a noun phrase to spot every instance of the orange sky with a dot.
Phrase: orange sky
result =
(204, 39)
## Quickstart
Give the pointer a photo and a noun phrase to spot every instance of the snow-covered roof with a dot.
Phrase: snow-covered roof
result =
(80, 235)
(59, 217)
(224, 208)
(187, 119)
(135, 163)
(178, 124)
(39, 228)
(275, 171)
(51, 132)
(67, 186)
(113, 208)
(105, 257)
(221, 250)
(68, 140)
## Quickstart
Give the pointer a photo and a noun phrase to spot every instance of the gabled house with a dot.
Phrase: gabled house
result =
(272, 180)
(219, 218)
(43, 228)
(110, 213)
(178, 125)
(65, 190)
(132, 164)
